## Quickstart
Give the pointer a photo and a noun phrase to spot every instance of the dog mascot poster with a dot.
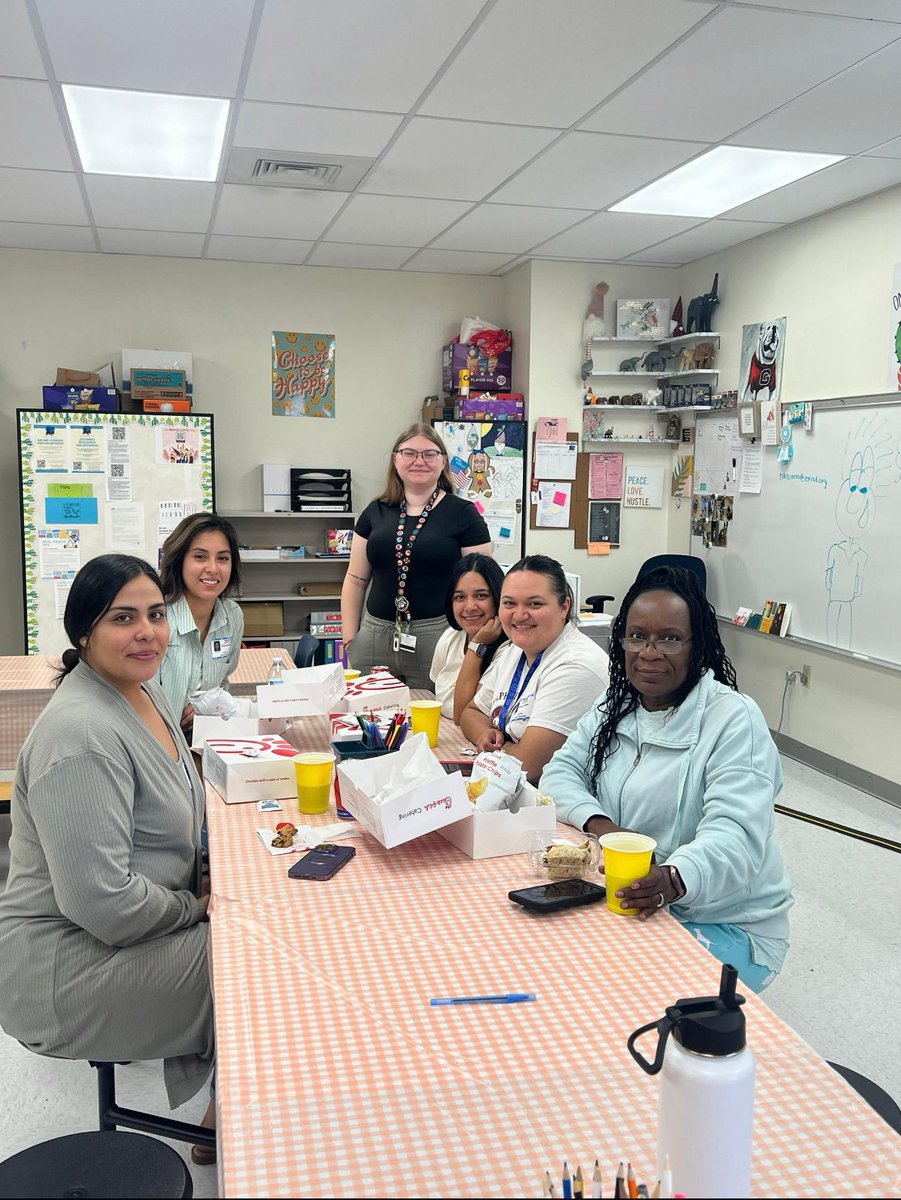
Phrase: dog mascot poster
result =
(762, 348)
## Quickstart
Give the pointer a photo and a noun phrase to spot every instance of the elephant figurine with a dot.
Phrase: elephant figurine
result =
(687, 361)
(702, 356)
(656, 360)
(630, 364)
(700, 309)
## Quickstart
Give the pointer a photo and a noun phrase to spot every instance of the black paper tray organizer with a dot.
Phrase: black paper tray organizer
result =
(320, 489)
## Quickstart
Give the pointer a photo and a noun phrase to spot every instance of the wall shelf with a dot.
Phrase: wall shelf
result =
(627, 441)
(297, 516)
(646, 408)
(684, 339)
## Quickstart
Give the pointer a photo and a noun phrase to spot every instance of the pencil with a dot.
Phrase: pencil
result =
(567, 1184)
(596, 1188)
(655, 1195)
(666, 1179)
(579, 1185)
(620, 1191)
(631, 1183)
(547, 1184)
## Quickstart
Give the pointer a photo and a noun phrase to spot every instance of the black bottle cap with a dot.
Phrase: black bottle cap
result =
(713, 1025)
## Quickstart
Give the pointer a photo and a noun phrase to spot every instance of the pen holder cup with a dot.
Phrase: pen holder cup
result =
(356, 750)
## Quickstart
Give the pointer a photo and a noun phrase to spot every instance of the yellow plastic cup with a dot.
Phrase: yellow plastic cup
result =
(349, 675)
(425, 717)
(314, 777)
(627, 857)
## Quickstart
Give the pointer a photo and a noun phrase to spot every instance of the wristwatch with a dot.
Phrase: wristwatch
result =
(676, 880)
(479, 649)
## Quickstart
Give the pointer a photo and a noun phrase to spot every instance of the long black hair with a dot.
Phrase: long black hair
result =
(93, 591)
(708, 654)
(178, 543)
(493, 574)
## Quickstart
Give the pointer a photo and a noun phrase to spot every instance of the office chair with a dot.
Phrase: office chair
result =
(306, 650)
(97, 1164)
(688, 561)
(596, 603)
(877, 1098)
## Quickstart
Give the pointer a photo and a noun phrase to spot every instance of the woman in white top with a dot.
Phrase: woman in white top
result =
(199, 568)
(546, 679)
(473, 596)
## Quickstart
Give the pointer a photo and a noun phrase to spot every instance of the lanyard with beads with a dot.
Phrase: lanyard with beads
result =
(403, 554)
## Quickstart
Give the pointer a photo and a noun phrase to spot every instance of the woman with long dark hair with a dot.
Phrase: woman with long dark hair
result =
(466, 650)
(103, 933)
(676, 752)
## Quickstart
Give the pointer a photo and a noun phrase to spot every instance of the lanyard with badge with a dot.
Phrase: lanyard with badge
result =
(513, 695)
(403, 639)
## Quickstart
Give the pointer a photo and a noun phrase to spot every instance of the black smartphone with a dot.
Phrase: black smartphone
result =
(322, 862)
(551, 897)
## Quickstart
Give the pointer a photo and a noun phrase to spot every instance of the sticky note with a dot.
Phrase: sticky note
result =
(505, 532)
(560, 498)
(69, 490)
(479, 506)
(598, 547)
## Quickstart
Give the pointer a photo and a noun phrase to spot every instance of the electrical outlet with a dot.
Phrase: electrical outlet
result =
(805, 675)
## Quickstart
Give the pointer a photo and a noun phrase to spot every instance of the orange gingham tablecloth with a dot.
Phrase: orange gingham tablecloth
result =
(336, 1078)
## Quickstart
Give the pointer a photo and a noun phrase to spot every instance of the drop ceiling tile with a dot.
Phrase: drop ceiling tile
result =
(27, 236)
(42, 197)
(31, 134)
(255, 249)
(394, 220)
(702, 240)
(344, 254)
(126, 202)
(592, 170)
(355, 54)
(867, 10)
(508, 227)
(890, 149)
(303, 129)
(797, 52)
(299, 214)
(611, 236)
(836, 185)
(19, 53)
(152, 242)
(514, 66)
(459, 160)
(457, 262)
(193, 48)
(847, 115)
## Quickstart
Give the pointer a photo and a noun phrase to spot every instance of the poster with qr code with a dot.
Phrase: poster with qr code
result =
(96, 483)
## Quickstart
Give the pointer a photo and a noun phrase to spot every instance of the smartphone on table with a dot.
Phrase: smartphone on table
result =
(552, 897)
(322, 862)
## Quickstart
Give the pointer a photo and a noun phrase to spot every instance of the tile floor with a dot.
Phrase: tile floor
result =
(839, 988)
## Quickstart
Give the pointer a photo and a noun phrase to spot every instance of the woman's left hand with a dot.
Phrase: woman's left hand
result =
(488, 634)
(187, 718)
(645, 894)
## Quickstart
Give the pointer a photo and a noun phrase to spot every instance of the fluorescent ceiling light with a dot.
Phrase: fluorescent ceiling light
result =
(146, 133)
(722, 179)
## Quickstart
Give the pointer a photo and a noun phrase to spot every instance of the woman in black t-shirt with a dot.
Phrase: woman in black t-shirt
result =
(406, 543)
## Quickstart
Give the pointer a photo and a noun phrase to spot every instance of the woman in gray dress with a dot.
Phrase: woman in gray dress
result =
(103, 925)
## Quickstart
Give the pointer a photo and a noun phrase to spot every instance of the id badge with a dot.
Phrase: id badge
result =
(395, 643)
(222, 647)
(408, 641)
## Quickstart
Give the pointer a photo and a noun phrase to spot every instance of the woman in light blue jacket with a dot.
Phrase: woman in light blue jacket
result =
(676, 752)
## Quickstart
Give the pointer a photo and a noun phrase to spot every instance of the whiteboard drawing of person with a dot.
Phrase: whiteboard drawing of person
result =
(869, 456)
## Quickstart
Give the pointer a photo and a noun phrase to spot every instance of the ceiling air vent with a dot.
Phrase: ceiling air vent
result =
(293, 169)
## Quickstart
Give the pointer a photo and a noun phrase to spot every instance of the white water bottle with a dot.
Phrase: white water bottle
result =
(705, 1118)
(276, 672)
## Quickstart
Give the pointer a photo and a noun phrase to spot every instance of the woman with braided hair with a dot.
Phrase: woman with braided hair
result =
(676, 752)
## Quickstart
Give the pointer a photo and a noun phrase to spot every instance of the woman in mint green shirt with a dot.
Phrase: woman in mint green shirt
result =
(676, 752)
(200, 567)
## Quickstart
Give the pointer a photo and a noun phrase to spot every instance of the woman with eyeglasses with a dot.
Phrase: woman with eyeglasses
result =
(405, 544)
(676, 752)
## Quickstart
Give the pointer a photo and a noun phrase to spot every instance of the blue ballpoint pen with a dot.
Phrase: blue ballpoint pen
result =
(507, 998)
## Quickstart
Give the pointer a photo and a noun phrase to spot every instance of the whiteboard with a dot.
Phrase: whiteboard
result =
(95, 483)
(824, 534)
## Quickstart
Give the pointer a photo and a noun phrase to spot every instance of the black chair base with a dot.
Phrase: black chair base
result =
(97, 1164)
(112, 1115)
(878, 1099)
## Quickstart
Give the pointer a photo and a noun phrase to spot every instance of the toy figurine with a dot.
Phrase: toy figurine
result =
(656, 360)
(630, 364)
(702, 357)
(593, 326)
(676, 329)
(700, 309)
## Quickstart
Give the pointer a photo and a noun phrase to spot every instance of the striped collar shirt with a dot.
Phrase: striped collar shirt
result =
(191, 665)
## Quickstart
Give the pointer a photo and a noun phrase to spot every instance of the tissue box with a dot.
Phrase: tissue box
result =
(306, 692)
(239, 779)
(378, 690)
(492, 834)
(245, 724)
(421, 809)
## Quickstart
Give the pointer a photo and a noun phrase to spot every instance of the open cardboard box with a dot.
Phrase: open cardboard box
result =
(378, 690)
(420, 809)
(246, 723)
(267, 775)
(305, 692)
(492, 834)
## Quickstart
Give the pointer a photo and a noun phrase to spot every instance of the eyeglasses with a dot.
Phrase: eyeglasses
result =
(427, 456)
(669, 645)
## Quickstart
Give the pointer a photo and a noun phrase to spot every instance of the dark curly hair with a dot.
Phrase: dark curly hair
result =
(708, 654)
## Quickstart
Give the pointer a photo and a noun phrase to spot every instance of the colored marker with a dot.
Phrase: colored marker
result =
(507, 998)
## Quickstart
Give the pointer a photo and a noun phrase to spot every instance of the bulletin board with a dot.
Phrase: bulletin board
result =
(97, 483)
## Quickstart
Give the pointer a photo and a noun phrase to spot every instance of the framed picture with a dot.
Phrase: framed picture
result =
(749, 420)
(642, 318)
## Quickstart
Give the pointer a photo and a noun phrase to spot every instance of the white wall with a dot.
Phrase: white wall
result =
(80, 310)
(831, 277)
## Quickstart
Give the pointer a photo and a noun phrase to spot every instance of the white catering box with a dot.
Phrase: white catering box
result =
(246, 723)
(305, 692)
(377, 690)
(240, 777)
(492, 834)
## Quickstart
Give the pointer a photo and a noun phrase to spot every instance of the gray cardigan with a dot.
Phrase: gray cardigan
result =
(100, 918)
